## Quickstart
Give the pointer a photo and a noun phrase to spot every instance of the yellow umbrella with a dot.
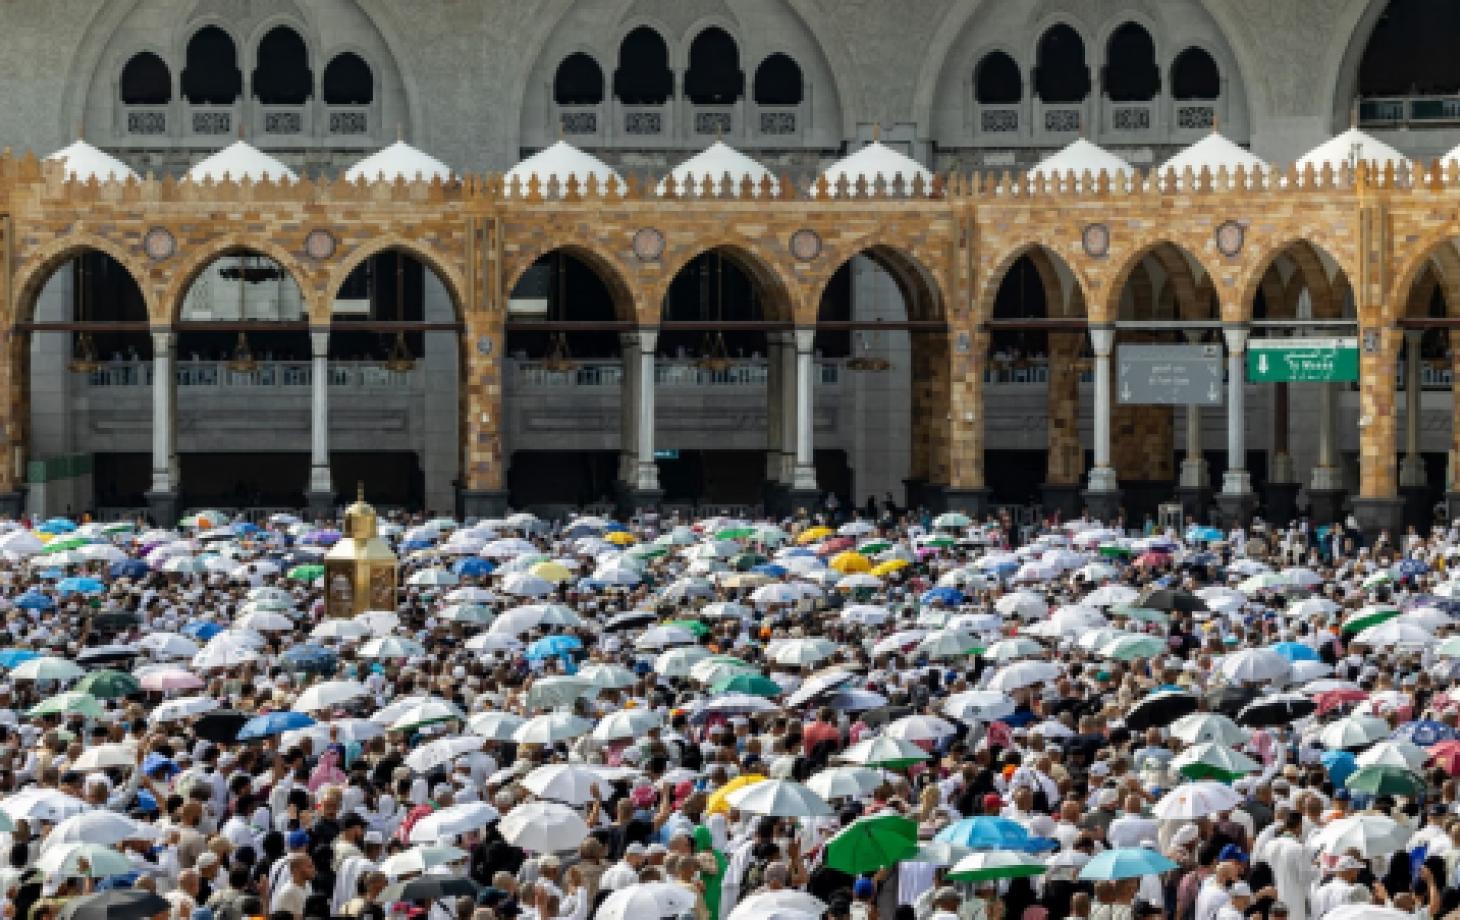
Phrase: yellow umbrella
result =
(883, 569)
(717, 804)
(554, 572)
(849, 562)
(812, 534)
(621, 538)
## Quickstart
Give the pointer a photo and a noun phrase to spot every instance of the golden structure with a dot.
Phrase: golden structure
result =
(948, 245)
(360, 571)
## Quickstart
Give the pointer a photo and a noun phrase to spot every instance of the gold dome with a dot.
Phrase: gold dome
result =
(360, 517)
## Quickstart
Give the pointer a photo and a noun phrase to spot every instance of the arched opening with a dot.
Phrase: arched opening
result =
(1131, 74)
(996, 80)
(282, 75)
(146, 80)
(778, 81)
(576, 366)
(348, 80)
(211, 75)
(643, 76)
(714, 76)
(1060, 72)
(1194, 75)
(1411, 51)
(579, 81)
(81, 382)
(394, 369)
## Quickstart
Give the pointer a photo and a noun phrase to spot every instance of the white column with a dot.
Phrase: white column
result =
(1102, 475)
(628, 438)
(319, 418)
(1194, 467)
(1412, 469)
(789, 398)
(164, 452)
(648, 478)
(1236, 480)
(1326, 477)
(804, 479)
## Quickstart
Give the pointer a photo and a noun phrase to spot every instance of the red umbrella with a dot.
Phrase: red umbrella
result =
(835, 545)
(1446, 755)
(1330, 700)
(1152, 559)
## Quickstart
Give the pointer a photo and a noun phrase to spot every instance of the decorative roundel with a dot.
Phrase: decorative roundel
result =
(1230, 237)
(805, 245)
(484, 346)
(1096, 240)
(320, 244)
(648, 244)
(159, 244)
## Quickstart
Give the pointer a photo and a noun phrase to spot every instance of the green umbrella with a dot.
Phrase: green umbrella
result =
(938, 541)
(1386, 780)
(1115, 551)
(1369, 616)
(735, 533)
(306, 572)
(992, 865)
(1210, 760)
(754, 684)
(952, 519)
(694, 627)
(873, 547)
(869, 844)
(744, 562)
(646, 551)
(108, 684)
(1143, 615)
(1129, 648)
(63, 544)
(71, 702)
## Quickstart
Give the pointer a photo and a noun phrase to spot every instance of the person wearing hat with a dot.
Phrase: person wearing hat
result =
(626, 871)
(1343, 888)
(1291, 864)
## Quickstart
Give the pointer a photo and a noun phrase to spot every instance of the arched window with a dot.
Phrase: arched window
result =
(282, 76)
(714, 76)
(1411, 51)
(211, 75)
(996, 80)
(146, 80)
(1194, 75)
(1131, 74)
(1060, 74)
(579, 81)
(778, 81)
(643, 76)
(348, 80)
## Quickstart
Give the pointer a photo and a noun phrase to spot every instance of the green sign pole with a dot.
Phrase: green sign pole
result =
(1302, 360)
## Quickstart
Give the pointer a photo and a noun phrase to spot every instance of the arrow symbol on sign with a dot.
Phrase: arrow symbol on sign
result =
(1125, 393)
(1212, 394)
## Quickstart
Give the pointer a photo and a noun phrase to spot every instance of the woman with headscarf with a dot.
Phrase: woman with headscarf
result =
(328, 771)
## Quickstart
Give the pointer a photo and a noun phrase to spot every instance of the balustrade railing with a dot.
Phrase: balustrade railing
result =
(268, 374)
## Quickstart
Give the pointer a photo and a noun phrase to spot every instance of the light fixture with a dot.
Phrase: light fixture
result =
(83, 358)
(866, 361)
(400, 360)
(714, 355)
(559, 359)
(243, 361)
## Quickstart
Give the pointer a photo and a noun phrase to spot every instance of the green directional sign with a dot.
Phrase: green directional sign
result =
(1302, 360)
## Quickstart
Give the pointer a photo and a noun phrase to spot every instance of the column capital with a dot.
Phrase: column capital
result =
(163, 338)
(1102, 340)
(1236, 337)
(805, 339)
(319, 341)
(648, 338)
(1412, 337)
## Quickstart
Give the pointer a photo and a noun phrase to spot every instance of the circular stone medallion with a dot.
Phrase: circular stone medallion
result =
(484, 346)
(1230, 237)
(159, 244)
(648, 244)
(805, 245)
(319, 245)
(1096, 240)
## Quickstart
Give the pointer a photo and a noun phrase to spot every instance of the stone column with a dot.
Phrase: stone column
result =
(804, 492)
(646, 485)
(1061, 489)
(1325, 483)
(321, 495)
(1236, 501)
(1282, 484)
(787, 472)
(1413, 480)
(162, 498)
(1452, 480)
(628, 431)
(1194, 487)
(1378, 506)
(1102, 497)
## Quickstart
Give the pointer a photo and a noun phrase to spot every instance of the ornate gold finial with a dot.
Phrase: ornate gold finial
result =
(876, 132)
(360, 490)
(400, 132)
(1216, 123)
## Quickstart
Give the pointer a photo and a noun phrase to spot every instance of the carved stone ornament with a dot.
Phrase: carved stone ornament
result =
(1230, 237)
(320, 245)
(484, 346)
(1096, 240)
(159, 244)
(805, 245)
(648, 244)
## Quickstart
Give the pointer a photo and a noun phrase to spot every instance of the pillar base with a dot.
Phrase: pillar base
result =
(1452, 507)
(972, 502)
(1060, 498)
(1417, 510)
(162, 507)
(1236, 508)
(12, 504)
(1102, 505)
(1376, 515)
(483, 503)
(802, 502)
(1144, 497)
(1325, 506)
(1196, 502)
(1281, 499)
(773, 498)
(914, 492)
(634, 500)
(321, 504)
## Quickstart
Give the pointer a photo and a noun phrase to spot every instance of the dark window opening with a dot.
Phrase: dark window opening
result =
(713, 288)
(564, 289)
(996, 80)
(1060, 74)
(714, 76)
(211, 75)
(1131, 74)
(1020, 296)
(1194, 75)
(1411, 51)
(387, 287)
(348, 81)
(146, 81)
(643, 76)
(778, 81)
(579, 81)
(282, 76)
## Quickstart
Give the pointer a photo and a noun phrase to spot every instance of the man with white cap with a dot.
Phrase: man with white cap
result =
(1343, 888)
(1292, 865)
(626, 871)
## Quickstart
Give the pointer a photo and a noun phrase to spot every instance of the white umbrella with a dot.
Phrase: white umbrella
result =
(100, 827)
(569, 783)
(946, 643)
(419, 859)
(544, 827)
(46, 668)
(779, 798)
(525, 584)
(49, 805)
(432, 578)
(1024, 674)
(1353, 731)
(920, 728)
(1013, 648)
(882, 750)
(336, 730)
(802, 652)
(778, 904)
(426, 712)
(1026, 605)
(660, 637)
(979, 705)
(1371, 835)
(625, 723)
(1398, 632)
(1200, 799)
(453, 821)
(607, 676)
(1403, 754)
(554, 726)
(182, 708)
(65, 860)
(647, 901)
(489, 643)
(392, 647)
(378, 622)
(1208, 726)
(844, 782)
(497, 726)
(340, 629)
(1111, 596)
(328, 694)
(432, 755)
(677, 662)
(105, 756)
(1256, 665)
(168, 645)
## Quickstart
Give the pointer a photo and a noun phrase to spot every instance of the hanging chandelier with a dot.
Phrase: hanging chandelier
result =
(399, 359)
(559, 359)
(714, 354)
(866, 361)
(83, 357)
(243, 361)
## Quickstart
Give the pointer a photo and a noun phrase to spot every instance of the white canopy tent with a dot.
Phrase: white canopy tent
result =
(717, 161)
(877, 162)
(560, 161)
(399, 161)
(84, 162)
(238, 161)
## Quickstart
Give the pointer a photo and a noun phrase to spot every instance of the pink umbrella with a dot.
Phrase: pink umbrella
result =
(170, 679)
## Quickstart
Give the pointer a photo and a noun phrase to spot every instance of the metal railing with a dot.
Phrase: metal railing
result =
(670, 374)
(269, 374)
(1409, 111)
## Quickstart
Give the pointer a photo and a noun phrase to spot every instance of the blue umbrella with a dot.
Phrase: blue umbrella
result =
(129, 568)
(34, 600)
(12, 657)
(80, 586)
(310, 657)
(1295, 651)
(1410, 568)
(946, 595)
(797, 551)
(321, 538)
(991, 833)
(548, 646)
(1340, 765)
(57, 525)
(411, 546)
(1425, 733)
(1126, 862)
(202, 630)
(244, 528)
(611, 526)
(769, 568)
(473, 567)
(273, 723)
(1198, 534)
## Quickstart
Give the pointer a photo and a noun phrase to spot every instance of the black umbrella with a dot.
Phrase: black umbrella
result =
(1230, 700)
(1168, 599)
(630, 620)
(117, 904)
(433, 888)
(1278, 709)
(106, 654)
(876, 718)
(114, 620)
(220, 725)
(1159, 710)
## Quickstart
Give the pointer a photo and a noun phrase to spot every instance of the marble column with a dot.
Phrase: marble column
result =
(804, 477)
(1102, 476)
(321, 490)
(1236, 500)
(628, 435)
(162, 498)
(647, 480)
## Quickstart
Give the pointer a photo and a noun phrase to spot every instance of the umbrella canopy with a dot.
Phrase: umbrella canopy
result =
(988, 833)
(993, 865)
(1196, 800)
(1386, 780)
(116, 904)
(647, 901)
(546, 827)
(1125, 862)
(453, 821)
(1370, 835)
(1160, 709)
(1208, 726)
(780, 799)
(1209, 760)
(885, 752)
